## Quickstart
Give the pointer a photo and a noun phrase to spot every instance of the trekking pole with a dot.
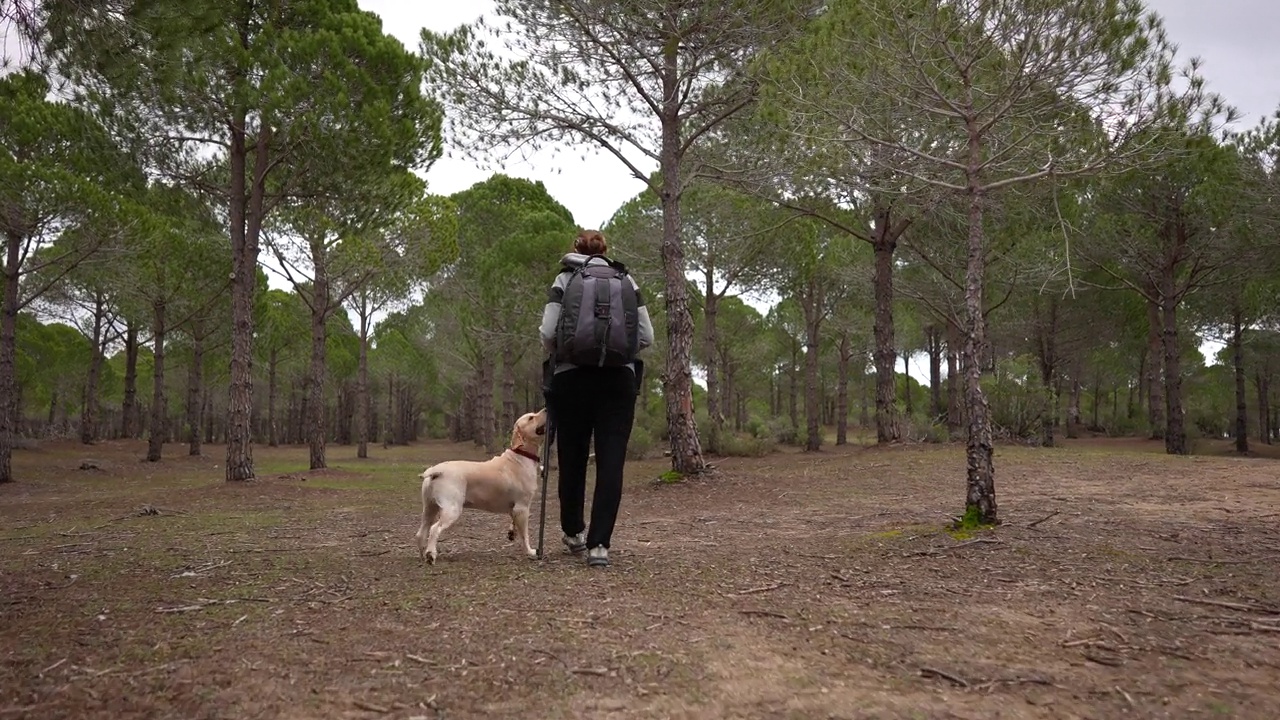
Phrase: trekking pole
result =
(547, 368)
(546, 471)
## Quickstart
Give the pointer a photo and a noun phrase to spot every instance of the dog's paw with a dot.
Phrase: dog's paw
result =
(431, 558)
(511, 535)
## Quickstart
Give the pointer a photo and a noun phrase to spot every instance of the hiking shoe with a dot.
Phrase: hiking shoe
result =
(575, 543)
(598, 556)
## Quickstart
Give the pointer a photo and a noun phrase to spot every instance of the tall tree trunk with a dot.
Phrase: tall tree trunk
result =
(1175, 434)
(980, 499)
(955, 381)
(885, 356)
(159, 430)
(246, 208)
(1046, 329)
(793, 387)
(508, 390)
(484, 420)
(1135, 399)
(842, 391)
(682, 429)
(89, 412)
(317, 429)
(9, 408)
(273, 439)
(1073, 405)
(195, 393)
(362, 383)
(1264, 409)
(812, 411)
(936, 409)
(129, 406)
(1237, 361)
(710, 308)
(1155, 372)
(906, 384)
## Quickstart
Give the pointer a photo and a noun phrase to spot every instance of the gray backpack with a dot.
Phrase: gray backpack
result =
(599, 319)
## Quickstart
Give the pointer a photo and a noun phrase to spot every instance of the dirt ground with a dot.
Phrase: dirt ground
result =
(1122, 583)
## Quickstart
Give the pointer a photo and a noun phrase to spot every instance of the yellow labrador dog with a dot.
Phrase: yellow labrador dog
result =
(503, 484)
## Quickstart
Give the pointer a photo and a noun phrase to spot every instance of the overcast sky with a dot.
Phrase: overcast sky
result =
(1235, 39)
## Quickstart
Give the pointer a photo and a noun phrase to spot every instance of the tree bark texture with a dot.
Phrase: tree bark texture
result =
(885, 355)
(159, 430)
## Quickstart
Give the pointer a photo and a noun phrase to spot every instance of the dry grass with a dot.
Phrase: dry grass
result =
(1123, 583)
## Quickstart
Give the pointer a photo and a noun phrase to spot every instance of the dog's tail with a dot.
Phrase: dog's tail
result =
(427, 476)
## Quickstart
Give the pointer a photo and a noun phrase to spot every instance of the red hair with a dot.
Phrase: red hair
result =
(590, 242)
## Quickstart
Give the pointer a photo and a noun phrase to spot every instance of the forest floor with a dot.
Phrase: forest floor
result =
(1121, 583)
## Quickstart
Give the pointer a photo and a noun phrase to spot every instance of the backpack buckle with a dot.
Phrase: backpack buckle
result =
(602, 311)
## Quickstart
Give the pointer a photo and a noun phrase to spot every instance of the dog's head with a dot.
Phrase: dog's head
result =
(528, 430)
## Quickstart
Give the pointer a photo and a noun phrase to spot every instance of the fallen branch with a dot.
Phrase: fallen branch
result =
(1211, 561)
(600, 672)
(1103, 659)
(1244, 607)
(1053, 514)
(934, 672)
(764, 613)
(370, 707)
(753, 591)
(945, 548)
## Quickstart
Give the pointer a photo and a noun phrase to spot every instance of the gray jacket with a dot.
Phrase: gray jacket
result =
(551, 311)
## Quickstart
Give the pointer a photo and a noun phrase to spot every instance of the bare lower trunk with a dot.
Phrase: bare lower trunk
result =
(195, 391)
(955, 382)
(885, 356)
(682, 427)
(1237, 361)
(272, 436)
(793, 387)
(484, 420)
(813, 418)
(980, 499)
(129, 406)
(936, 409)
(1073, 407)
(246, 209)
(159, 429)
(842, 391)
(1155, 372)
(907, 395)
(508, 388)
(9, 409)
(89, 412)
(362, 386)
(1261, 384)
(710, 307)
(316, 405)
(1175, 434)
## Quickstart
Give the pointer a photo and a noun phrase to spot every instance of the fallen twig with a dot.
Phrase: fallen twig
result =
(1211, 561)
(373, 553)
(1103, 659)
(51, 667)
(370, 707)
(1260, 627)
(945, 548)
(764, 613)
(418, 659)
(1081, 641)
(753, 591)
(1126, 696)
(1245, 607)
(601, 672)
(934, 672)
(1053, 514)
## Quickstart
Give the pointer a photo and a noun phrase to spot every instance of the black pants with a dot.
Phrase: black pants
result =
(589, 401)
